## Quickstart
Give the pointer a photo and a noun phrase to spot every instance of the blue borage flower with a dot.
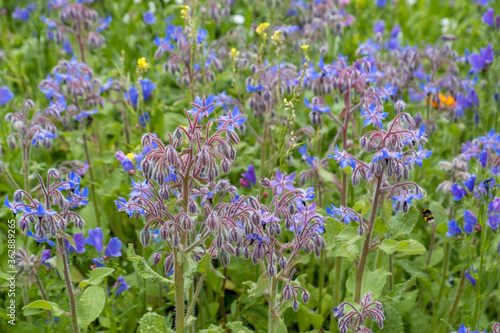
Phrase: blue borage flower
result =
(479, 61)
(373, 116)
(79, 198)
(343, 158)
(104, 23)
(149, 17)
(282, 182)
(316, 107)
(132, 95)
(142, 189)
(231, 120)
(203, 107)
(5, 95)
(305, 157)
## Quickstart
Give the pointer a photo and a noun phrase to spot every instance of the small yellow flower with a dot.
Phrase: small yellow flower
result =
(142, 64)
(262, 27)
(234, 53)
(131, 157)
(304, 47)
(184, 11)
(277, 36)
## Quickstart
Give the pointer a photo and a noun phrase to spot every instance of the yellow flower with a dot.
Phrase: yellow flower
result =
(277, 36)
(304, 47)
(142, 64)
(184, 11)
(234, 53)
(131, 157)
(262, 27)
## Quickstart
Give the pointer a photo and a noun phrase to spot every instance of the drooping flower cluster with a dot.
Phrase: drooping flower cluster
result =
(76, 19)
(37, 211)
(39, 130)
(72, 89)
(355, 318)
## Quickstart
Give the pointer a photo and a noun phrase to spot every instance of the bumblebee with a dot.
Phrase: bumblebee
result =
(427, 215)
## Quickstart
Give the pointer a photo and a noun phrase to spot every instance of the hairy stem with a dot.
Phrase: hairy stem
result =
(195, 296)
(461, 286)
(441, 285)
(92, 179)
(69, 287)
(273, 284)
(366, 243)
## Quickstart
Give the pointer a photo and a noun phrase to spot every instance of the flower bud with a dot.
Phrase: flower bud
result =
(169, 264)
(171, 155)
(145, 237)
(164, 232)
(226, 166)
(283, 262)
(224, 258)
(305, 296)
(156, 258)
(295, 305)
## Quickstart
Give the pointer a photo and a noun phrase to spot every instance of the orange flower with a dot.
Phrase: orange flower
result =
(444, 101)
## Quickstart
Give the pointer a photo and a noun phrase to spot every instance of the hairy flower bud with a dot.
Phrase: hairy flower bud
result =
(156, 258)
(169, 264)
(164, 232)
(305, 296)
(224, 258)
(145, 237)
(171, 155)
(295, 305)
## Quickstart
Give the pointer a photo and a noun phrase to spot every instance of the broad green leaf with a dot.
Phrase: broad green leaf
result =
(372, 281)
(343, 244)
(212, 329)
(380, 225)
(237, 327)
(151, 323)
(393, 322)
(411, 246)
(389, 246)
(42, 304)
(143, 268)
(362, 206)
(280, 326)
(258, 289)
(205, 263)
(90, 305)
(404, 223)
(96, 276)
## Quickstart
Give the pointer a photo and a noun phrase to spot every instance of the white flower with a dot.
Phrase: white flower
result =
(238, 19)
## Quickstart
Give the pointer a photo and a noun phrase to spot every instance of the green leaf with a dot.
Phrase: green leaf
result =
(380, 226)
(393, 322)
(411, 246)
(389, 246)
(90, 305)
(151, 323)
(362, 206)
(372, 281)
(404, 223)
(205, 263)
(343, 244)
(258, 289)
(237, 327)
(281, 327)
(42, 304)
(213, 329)
(96, 276)
(143, 268)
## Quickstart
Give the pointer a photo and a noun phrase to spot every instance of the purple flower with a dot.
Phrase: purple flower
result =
(470, 183)
(458, 192)
(470, 278)
(342, 158)
(479, 60)
(149, 18)
(249, 175)
(283, 182)
(80, 197)
(256, 238)
(114, 248)
(483, 158)
(420, 155)
(493, 221)
(489, 18)
(80, 243)
(494, 206)
(22, 14)
(84, 114)
(453, 229)
(121, 285)
(5, 95)
(132, 96)
(470, 221)
(45, 256)
(95, 238)
(147, 89)
(379, 27)
(143, 119)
